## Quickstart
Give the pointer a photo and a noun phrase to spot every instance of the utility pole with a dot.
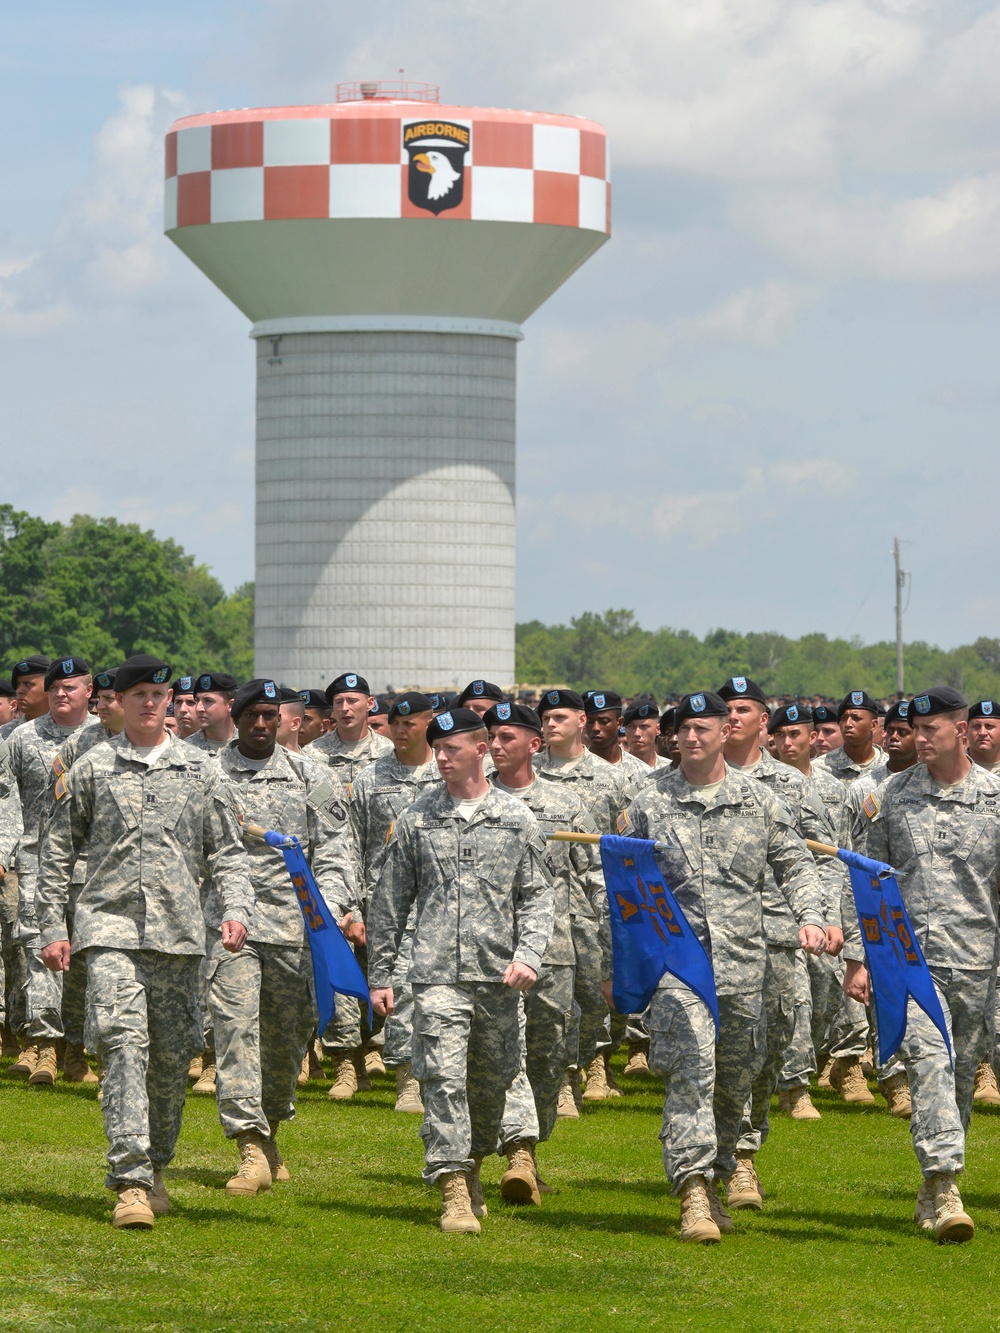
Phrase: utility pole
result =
(901, 579)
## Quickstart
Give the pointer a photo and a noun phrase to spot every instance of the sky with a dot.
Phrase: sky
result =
(785, 355)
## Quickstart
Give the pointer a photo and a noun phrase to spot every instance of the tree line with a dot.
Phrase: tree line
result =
(614, 651)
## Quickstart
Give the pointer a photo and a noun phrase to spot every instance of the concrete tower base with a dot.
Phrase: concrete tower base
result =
(385, 506)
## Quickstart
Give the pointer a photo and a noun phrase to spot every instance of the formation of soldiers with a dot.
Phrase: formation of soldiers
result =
(148, 930)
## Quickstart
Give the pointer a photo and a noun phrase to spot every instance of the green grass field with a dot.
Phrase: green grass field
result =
(351, 1242)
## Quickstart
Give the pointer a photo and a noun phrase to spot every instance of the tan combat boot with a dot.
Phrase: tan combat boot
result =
(314, 1055)
(345, 1077)
(275, 1161)
(132, 1209)
(614, 1088)
(951, 1221)
(566, 1107)
(205, 1086)
(638, 1058)
(24, 1066)
(597, 1089)
(302, 1077)
(373, 1062)
(985, 1092)
(364, 1082)
(254, 1174)
(543, 1188)
(407, 1092)
(457, 1214)
(743, 1188)
(826, 1069)
(518, 1183)
(194, 1069)
(923, 1214)
(697, 1223)
(848, 1079)
(75, 1066)
(46, 1066)
(475, 1184)
(868, 1063)
(158, 1198)
(896, 1091)
(800, 1105)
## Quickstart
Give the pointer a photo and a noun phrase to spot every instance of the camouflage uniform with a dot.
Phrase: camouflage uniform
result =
(11, 959)
(844, 768)
(603, 790)
(722, 846)
(148, 832)
(201, 742)
(380, 794)
(787, 995)
(483, 899)
(262, 1003)
(575, 870)
(33, 748)
(945, 845)
(349, 757)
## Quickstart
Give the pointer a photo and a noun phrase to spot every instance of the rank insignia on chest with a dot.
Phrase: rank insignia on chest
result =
(465, 853)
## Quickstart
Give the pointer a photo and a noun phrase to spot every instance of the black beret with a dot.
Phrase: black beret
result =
(479, 689)
(348, 683)
(703, 704)
(942, 699)
(105, 679)
(381, 706)
(601, 701)
(315, 699)
(405, 705)
(140, 670)
(559, 699)
(452, 723)
(791, 715)
(742, 687)
(216, 682)
(170, 708)
(900, 712)
(880, 708)
(259, 691)
(823, 713)
(183, 685)
(639, 709)
(857, 699)
(65, 668)
(668, 721)
(36, 665)
(441, 701)
(287, 695)
(985, 708)
(513, 715)
(7, 690)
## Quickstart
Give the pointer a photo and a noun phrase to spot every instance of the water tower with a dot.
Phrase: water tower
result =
(387, 250)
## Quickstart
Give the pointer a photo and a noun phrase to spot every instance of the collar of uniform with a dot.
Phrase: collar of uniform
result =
(444, 807)
(275, 766)
(171, 755)
(965, 792)
(391, 766)
(47, 726)
(735, 787)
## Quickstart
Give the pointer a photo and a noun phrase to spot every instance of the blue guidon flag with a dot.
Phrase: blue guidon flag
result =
(334, 966)
(895, 962)
(650, 934)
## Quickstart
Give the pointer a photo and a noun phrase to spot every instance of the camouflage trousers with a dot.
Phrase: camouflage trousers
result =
(11, 956)
(143, 1022)
(782, 992)
(839, 1024)
(43, 998)
(349, 1027)
(466, 1053)
(547, 1020)
(706, 1082)
(589, 1029)
(942, 1099)
(263, 1015)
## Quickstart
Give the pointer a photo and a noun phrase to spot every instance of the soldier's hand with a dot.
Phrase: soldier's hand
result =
(856, 983)
(353, 931)
(606, 992)
(234, 935)
(519, 977)
(834, 940)
(55, 956)
(812, 939)
(382, 1000)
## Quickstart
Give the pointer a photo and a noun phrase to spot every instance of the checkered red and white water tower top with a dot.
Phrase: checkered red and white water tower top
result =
(379, 156)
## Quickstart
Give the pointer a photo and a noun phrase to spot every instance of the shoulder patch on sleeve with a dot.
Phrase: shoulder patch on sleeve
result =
(59, 790)
(58, 767)
(622, 822)
(870, 805)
